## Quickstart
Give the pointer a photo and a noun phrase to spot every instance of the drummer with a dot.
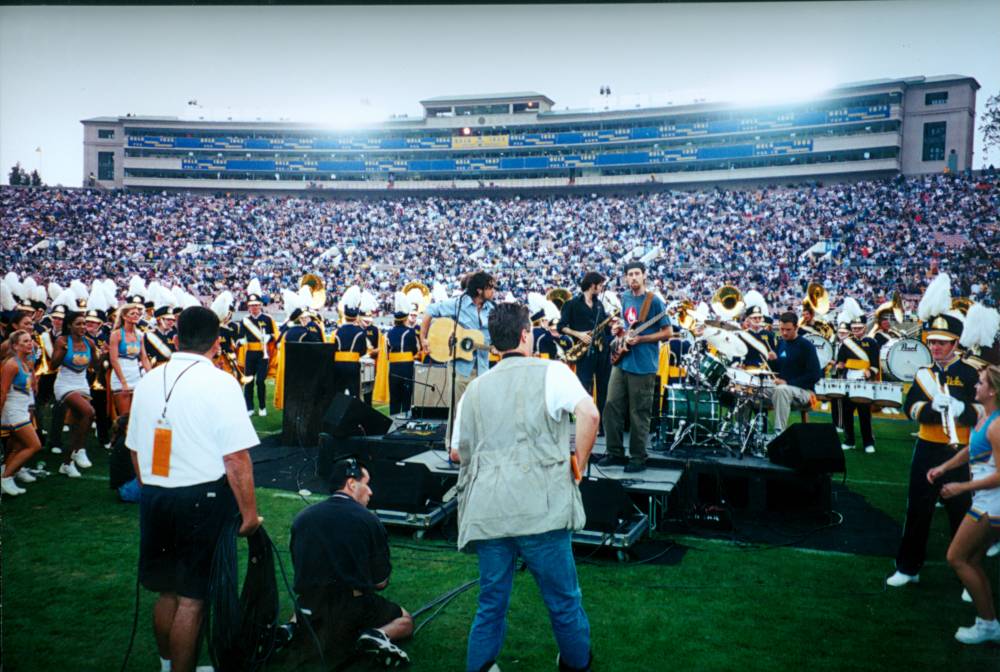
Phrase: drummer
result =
(857, 359)
(795, 362)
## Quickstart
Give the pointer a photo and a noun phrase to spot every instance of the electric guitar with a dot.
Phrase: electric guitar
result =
(467, 341)
(619, 348)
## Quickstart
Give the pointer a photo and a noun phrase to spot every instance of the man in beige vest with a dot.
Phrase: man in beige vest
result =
(517, 487)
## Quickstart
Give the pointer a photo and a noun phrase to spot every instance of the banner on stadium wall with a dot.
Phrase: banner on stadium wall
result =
(478, 141)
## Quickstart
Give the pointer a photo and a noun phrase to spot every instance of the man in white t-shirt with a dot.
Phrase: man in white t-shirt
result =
(190, 438)
(517, 487)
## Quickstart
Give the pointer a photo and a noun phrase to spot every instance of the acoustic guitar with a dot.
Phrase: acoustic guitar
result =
(467, 341)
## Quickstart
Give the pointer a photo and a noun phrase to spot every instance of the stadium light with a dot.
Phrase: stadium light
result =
(466, 131)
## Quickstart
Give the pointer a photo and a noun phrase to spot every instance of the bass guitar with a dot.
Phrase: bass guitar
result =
(467, 341)
(619, 346)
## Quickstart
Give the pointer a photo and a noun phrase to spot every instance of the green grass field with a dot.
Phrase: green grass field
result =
(69, 552)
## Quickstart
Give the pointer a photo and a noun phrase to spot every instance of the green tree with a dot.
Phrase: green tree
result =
(17, 175)
(36, 179)
(991, 123)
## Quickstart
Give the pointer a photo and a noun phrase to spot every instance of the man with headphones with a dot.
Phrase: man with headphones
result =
(340, 552)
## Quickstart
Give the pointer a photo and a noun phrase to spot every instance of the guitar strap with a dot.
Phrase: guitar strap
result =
(644, 311)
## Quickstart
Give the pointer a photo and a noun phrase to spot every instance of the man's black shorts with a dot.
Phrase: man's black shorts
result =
(179, 529)
(338, 618)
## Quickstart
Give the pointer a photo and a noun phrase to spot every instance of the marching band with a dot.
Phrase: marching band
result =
(727, 347)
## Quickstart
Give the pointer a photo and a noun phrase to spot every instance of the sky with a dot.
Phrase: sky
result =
(345, 66)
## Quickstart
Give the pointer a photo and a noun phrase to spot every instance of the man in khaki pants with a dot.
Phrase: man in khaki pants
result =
(797, 367)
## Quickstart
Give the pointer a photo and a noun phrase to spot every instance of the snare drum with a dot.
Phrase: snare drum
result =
(824, 349)
(750, 379)
(900, 359)
(861, 391)
(888, 395)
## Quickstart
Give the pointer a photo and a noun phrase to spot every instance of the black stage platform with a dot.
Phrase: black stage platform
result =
(688, 490)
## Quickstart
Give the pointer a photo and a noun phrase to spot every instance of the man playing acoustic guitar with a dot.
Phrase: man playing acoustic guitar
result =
(471, 310)
(633, 379)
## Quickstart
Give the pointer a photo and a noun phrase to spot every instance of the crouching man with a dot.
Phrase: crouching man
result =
(340, 552)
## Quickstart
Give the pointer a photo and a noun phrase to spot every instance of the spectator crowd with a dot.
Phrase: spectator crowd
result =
(861, 239)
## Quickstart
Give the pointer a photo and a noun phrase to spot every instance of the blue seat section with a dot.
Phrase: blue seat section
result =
(664, 131)
(491, 163)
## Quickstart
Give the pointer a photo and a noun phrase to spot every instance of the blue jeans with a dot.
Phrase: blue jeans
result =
(549, 557)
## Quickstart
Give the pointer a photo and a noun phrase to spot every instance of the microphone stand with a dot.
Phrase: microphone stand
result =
(452, 351)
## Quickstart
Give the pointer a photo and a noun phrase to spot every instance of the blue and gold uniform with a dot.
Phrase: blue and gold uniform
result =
(352, 344)
(257, 332)
(931, 450)
(857, 358)
(403, 346)
(159, 346)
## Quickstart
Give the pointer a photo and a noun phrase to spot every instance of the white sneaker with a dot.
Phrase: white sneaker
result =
(262, 412)
(846, 446)
(869, 449)
(80, 457)
(24, 476)
(899, 579)
(993, 551)
(70, 470)
(250, 411)
(9, 487)
(57, 450)
(965, 596)
(981, 632)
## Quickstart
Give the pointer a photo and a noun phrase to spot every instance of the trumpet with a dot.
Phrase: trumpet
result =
(948, 422)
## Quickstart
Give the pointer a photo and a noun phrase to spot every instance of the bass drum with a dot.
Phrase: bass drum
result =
(824, 349)
(683, 406)
(901, 358)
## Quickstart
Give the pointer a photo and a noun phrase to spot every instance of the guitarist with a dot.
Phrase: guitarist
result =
(632, 385)
(580, 316)
(471, 310)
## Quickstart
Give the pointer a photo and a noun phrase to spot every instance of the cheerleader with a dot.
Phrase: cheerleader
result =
(969, 545)
(126, 354)
(17, 395)
(74, 353)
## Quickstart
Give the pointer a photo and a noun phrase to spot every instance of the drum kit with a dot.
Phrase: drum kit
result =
(717, 405)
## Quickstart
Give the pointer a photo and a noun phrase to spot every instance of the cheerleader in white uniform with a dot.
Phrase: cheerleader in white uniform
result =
(17, 396)
(127, 354)
(974, 535)
(74, 353)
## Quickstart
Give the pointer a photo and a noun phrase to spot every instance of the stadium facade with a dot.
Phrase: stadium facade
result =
(885, 127)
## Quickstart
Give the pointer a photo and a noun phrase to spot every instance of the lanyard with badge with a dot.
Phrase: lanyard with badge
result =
(162, 434)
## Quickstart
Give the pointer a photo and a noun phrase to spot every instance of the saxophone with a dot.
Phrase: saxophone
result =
(576, 351)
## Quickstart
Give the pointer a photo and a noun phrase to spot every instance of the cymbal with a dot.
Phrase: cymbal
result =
(719, 324)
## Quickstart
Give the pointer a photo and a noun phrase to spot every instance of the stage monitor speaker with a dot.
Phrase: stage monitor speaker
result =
(365, 449)
(309, 389)
(401, 486)
(349, 416)
(808, 447)
(431, 391)
(606, 504)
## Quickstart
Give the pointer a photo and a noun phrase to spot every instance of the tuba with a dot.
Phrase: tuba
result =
(961, 304)
(558, 296)
(727, 302)
(895, 305)
(818, 300)
(425, 294)
(317, 290)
